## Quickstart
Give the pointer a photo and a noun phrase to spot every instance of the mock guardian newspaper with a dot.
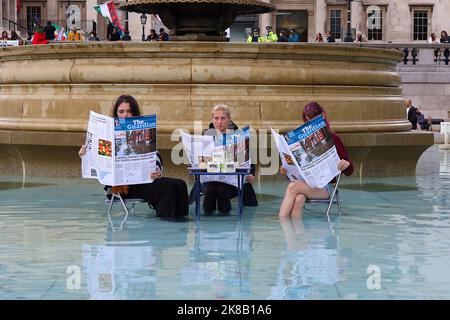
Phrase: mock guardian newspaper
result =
(120, 151)
(308, 153)
(230, 147)
(198, 148)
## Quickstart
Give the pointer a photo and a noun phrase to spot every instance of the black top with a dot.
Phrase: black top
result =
(49, 32)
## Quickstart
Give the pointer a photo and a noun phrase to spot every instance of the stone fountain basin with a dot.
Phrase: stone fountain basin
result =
(51, 89)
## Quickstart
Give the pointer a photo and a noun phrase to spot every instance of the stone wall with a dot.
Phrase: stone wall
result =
(429, 89)
(427, 84)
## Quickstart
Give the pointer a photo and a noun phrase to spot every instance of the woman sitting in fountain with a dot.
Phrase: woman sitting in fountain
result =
(219, 192)
(298, 191)
(168, 196)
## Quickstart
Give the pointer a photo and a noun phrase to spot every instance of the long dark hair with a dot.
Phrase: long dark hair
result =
(312, 110)
(134, 107)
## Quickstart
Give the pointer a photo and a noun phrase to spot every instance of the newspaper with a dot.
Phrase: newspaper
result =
(308, 153)
(198, 148)
(120, 151)
(230, 147)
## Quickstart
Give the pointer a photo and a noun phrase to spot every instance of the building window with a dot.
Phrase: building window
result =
(420, 25)
(33, 18)
(375, 24)
(335, 24)
(297, 20)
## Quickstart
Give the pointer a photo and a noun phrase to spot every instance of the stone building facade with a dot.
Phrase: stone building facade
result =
(379, 20)
(21, 14)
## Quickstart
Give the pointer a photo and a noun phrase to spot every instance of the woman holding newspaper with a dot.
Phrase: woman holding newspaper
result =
(298, 191)
(219, 192)
(168, 196)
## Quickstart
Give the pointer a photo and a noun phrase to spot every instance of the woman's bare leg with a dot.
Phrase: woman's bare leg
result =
(297, 208)
(299, 187)
(288, 200)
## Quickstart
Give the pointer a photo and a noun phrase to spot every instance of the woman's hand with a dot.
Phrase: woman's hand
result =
(155, 175)
(343, 164)
(250, 179)
(283, 171)
(82, 151)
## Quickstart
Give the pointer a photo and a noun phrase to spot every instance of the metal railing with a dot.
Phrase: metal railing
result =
(85, 25)
(13, 26)
(417, 53)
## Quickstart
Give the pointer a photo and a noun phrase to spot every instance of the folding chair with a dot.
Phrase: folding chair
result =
(117, 198)
(334, 198)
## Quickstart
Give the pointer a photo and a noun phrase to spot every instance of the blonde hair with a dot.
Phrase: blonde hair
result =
(222, 107)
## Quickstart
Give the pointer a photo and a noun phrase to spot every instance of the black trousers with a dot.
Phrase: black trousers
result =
(169, 196)
(218, 192)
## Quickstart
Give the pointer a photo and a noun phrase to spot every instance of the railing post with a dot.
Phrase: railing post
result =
(414, 55)
(446, 55)
(405, 56)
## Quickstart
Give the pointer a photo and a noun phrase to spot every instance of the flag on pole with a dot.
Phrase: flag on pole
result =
(108, 11)
(61, 35)
(157, 18)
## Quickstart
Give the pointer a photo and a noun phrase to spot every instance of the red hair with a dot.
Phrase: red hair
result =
(312, 110)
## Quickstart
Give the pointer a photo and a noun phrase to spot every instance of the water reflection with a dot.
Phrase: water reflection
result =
(405, 233)
(121, 272)
(444, 165)
(311, 259)
(219, 262)
(127, 265)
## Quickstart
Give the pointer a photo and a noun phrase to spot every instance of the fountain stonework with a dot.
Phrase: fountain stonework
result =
(47, 92)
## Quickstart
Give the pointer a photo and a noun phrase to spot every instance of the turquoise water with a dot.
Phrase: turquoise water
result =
(392, 242)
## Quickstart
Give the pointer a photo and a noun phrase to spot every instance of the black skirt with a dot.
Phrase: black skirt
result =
(168, 196)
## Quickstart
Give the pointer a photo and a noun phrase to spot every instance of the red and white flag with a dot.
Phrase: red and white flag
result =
(108, 10)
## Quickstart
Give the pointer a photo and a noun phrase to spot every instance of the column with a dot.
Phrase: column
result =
(311, 26)
(320, 13)
(266, 20)
(358, 16)
(6, 11)
(91, 15)
(52, 11)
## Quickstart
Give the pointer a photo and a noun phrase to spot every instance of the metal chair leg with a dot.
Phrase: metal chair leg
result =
(110, 204)
(338, 201)
(123, 204)
(334, 193)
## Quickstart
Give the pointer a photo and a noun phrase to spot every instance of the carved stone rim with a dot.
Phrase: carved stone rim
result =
(213, 50)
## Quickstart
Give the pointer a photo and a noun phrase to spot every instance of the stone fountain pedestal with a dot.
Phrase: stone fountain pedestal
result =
(47, 91)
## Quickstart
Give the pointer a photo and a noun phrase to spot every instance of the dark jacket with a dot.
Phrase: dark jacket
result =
(49, 32)
(412, 117)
